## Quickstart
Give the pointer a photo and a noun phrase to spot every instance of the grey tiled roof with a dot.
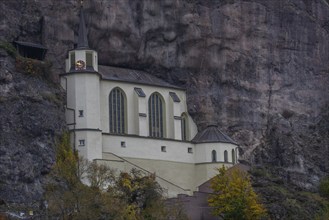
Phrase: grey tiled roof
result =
(212, 134)
(29, 44)
(133, 76)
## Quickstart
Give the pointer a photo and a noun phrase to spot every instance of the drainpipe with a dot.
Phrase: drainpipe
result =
(74, 123)
(73, 110)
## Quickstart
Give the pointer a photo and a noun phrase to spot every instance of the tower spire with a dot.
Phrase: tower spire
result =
(82, 35)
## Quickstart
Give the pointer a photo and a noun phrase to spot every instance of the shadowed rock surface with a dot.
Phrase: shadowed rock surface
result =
(31, 117)
(257, 68)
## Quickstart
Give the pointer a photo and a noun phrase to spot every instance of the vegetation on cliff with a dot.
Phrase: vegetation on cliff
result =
(27, 65)
(88, 190)
(258, 62)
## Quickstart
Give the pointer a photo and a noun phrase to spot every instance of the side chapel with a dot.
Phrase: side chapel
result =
(130, 119)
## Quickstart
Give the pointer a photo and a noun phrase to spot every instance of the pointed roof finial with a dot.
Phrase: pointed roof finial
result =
(82, 35)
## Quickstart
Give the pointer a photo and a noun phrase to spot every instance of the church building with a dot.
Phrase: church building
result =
(129, 119)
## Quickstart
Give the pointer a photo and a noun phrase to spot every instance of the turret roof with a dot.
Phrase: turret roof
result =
(212, 134)
(82, 35)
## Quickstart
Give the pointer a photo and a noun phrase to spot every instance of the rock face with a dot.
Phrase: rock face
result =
(31, 117)
(257, 68)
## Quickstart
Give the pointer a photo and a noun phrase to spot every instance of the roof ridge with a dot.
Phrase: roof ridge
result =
(212, 134)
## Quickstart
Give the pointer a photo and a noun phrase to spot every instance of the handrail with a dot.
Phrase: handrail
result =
(135, 165)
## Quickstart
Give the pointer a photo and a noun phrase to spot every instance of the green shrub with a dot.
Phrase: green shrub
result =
(9, 48)
(32, 66)
(27, 65)
(324, 187)
(323, 215)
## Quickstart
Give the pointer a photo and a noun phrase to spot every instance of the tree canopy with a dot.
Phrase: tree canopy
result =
(130, 196)
(233, 197)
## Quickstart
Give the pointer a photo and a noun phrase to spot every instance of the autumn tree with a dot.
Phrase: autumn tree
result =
(69, 198)
(233, 197)
(128, 196)
(141, 193)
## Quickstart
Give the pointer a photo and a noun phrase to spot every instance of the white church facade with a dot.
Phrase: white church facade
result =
(130, 119)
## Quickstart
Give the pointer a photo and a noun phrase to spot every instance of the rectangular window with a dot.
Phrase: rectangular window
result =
(190, 150)
(82, 142)
(80, 113)
(89, 59)
(163, 149)
(123, 144)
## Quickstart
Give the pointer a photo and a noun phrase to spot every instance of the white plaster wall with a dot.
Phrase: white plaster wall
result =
(170, 116)
(206, 171)
(93, 144)
(192, 128)
(67, 65)
(178, 129)
(142, 106)
(177, 111)
(141, 121)
(174, 177)
(148, 148)
(95, 60)
(87, 99)
(203, 151)
(82, 150)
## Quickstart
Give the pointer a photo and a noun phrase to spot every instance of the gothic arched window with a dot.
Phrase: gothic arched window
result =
(156, 115)
(117, 108)
(225, 156)
(233, 156)
(184, 127)
(213, 156)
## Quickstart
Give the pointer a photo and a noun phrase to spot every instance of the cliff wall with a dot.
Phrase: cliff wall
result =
(257, 68)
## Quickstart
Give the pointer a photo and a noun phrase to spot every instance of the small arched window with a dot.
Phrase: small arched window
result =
(184, 127)
(225, 156)
(233, 156)
(117, 108)
(213, 156)
(156, 115)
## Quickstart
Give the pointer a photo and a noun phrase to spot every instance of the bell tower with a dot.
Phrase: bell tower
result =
(82, 84)
(82, 58)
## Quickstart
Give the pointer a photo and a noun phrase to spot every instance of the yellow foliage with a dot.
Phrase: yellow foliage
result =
(234, 197)
(131, 196)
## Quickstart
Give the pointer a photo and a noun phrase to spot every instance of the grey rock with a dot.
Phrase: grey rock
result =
(30, 122)
(257, 68)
